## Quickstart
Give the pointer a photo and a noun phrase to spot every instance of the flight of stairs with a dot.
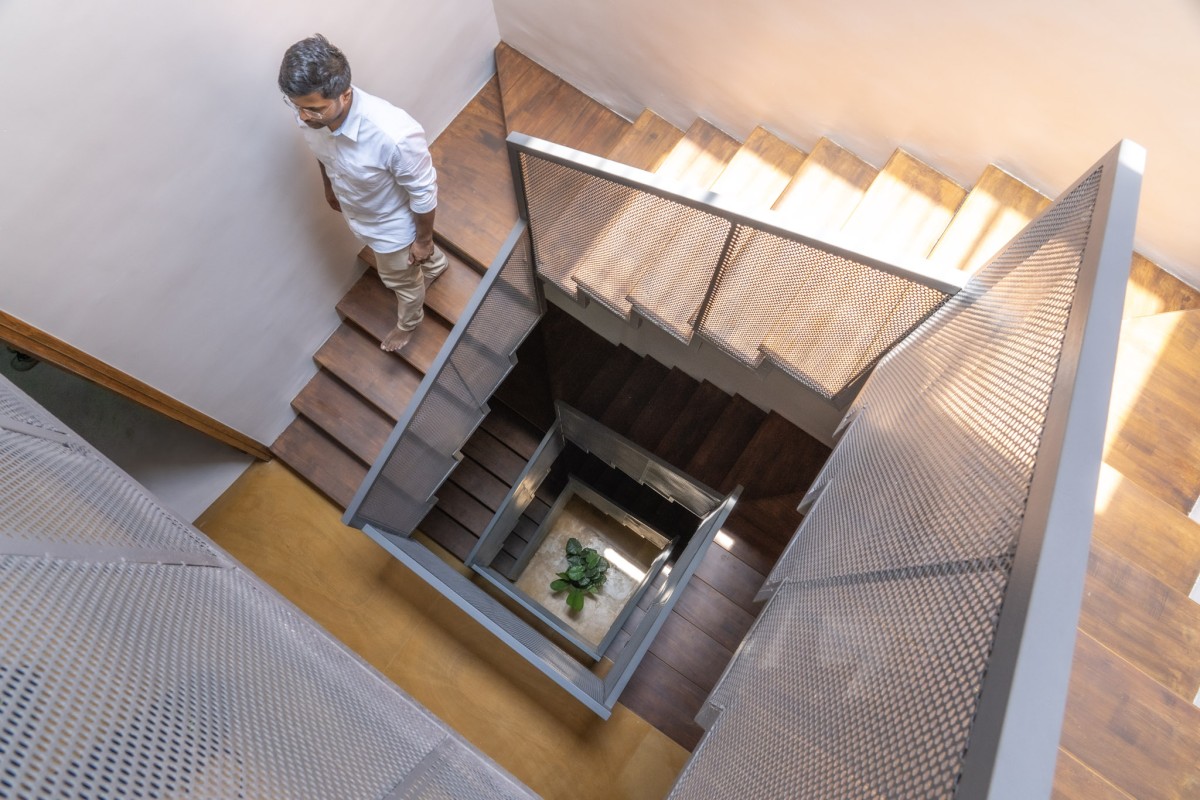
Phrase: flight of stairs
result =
(1131, 729)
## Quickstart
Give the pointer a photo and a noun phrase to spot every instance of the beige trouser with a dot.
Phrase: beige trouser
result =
(408, 282)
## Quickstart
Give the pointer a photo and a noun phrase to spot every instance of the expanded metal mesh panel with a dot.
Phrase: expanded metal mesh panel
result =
(152, 681)
(455, 771)
(849, 690)
(872, 652)
(67, 494)
(837, 314)
(619, 243)
(447, 412)
(945, 434)
(122, 677)
(14, 405)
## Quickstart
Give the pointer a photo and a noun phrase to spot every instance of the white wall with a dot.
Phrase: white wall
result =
(159, 210)
(1041, 88)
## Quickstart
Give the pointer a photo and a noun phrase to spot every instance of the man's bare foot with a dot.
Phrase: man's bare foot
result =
(395, 340)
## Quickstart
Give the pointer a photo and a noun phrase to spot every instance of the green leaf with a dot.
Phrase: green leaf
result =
(603, 565)
(575, 600)
(574, 548)
(592, 557)
(593, 589)
(575, 572)
(558, 586)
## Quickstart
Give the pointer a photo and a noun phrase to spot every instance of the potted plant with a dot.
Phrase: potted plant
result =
(585, 574)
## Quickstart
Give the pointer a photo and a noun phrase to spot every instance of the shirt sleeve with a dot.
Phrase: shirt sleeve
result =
(412, 166)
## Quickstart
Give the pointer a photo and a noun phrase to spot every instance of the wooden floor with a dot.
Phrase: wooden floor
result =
(1132, 728)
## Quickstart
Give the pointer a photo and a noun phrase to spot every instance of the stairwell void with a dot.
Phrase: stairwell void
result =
(924, 519)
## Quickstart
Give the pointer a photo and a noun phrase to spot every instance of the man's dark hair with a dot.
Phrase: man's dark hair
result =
(314, 65)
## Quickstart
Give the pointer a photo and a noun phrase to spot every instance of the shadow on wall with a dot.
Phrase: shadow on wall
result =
(182, 467)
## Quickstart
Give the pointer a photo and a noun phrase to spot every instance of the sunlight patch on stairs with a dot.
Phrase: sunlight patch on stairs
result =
(1138, 352)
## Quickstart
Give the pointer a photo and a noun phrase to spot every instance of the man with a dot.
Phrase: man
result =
(377, 172)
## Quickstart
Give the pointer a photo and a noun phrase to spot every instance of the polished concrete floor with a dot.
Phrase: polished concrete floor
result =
(292, 537)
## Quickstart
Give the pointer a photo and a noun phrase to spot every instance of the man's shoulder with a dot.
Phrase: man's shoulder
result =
(389, 120)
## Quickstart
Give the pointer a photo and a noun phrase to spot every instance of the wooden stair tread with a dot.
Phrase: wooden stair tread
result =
(495, 456)
(321, 461)
(449, 294)
(1141, 737)
(661, 696)
(1153, 433)
(1152, 626)
(691, 652)
(516, 432)
(1153, 290)
(714, 613)
(1141, 528)
(385, 380)
(477, 207)
(725, 441)
(448, 533)
(732, 577)
(826, 189)
(905, 210)
(646, 143)
(572, 351)
(607, 380)
(661, 410)
(476, 481)
(634, 395)
(539, 103)
(685, 436)
(1075, 781)
(699, 157)
(372, 307)
(757, 546)
(460, 506)
(759, 171)
(780, 459)
(336, 409)
(994, 211)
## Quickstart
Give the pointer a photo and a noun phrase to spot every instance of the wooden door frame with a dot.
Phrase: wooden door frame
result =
(42, 345)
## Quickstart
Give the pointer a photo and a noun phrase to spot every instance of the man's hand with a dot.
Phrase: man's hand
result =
(420, 251)
(331, 198)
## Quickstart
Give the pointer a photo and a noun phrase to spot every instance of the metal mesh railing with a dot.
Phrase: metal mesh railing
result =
(864, 674)
(139, 661)
(452, 399)
(635, 244)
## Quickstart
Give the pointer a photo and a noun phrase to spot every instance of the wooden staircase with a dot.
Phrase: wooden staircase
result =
(1131, 728)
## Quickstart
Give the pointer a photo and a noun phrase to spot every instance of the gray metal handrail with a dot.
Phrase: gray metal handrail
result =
(441, 372)
(693, 264)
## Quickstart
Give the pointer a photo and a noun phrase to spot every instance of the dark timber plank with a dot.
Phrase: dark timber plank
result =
(572, 352)
(642, 383)
(713, 613)
(661, 410)
(685, 436)
(476, 481)
(1074, 781)
(665, 699)
(607, 381)
(539, 103)
(1149, 624)
(1143, 738)
(509, 427)
(319, 460)
(691, 652)
(335, 408)
(477, 207)
(726, 441)
(372, 307)
(448, 533)
(450, 293)
(731, 576)
(354, 357)
(758, 548)
(495, 456)
(464, 509)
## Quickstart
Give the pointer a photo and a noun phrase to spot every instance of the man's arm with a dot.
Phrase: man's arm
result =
(422, 246)
(330, 197)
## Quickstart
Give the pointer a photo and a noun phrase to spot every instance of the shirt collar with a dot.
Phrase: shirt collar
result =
(350, 126)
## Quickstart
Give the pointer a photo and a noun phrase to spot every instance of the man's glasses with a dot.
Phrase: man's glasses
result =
(317, 116)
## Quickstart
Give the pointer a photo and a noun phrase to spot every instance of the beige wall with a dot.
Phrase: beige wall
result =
(159, 210)
(1041, 88)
